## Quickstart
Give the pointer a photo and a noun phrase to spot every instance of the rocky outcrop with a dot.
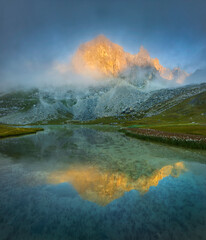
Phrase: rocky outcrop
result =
(102, 58)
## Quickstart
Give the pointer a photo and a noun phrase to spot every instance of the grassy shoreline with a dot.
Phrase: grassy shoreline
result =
(184, 135)
(10, 131)
(176, 139)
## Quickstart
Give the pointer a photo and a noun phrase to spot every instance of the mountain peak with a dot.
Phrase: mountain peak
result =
(101, 38)
(99, 58)
(102, 58)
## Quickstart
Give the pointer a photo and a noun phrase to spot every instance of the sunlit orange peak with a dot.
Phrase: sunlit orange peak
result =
(102, 58)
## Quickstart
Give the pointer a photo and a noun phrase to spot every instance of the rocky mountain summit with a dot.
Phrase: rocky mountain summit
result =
(101, 58)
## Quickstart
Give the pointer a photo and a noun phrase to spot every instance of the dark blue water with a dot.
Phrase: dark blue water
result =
(88, 183)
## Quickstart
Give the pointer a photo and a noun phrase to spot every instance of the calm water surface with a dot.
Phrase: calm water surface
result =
(94, 183)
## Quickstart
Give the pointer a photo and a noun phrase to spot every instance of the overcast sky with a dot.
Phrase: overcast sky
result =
(36, 33)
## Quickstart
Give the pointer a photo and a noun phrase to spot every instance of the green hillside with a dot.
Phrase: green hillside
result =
(189, 117)
(191, 110)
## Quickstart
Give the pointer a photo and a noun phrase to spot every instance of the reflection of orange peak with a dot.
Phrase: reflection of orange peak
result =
(102, 58)
(103, 187)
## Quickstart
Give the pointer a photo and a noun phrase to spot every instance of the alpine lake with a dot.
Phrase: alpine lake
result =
(93, 182)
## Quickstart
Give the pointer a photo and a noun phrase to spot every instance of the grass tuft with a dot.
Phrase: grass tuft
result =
(9, 131)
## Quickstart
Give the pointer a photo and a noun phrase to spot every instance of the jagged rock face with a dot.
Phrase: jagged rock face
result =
(99, 57)
(102, 58)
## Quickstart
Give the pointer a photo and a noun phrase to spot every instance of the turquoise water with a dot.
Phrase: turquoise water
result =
(95, 183)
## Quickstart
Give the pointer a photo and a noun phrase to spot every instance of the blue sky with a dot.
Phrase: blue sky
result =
(40, 32)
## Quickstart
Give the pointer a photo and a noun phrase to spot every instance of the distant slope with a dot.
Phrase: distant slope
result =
(161, 100)
(34, 107)
(120, 100)
(191, 110)
(199, 76)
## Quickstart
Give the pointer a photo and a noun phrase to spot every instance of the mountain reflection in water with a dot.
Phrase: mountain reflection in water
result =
(54, 184)
(102, 187)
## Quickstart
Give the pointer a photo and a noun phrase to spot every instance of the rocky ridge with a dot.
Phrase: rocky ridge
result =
(101, 58)
(62, 105)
